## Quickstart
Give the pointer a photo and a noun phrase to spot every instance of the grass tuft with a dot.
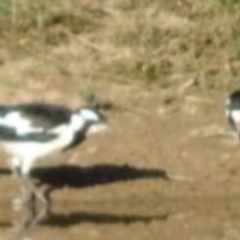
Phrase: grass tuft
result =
(151, 41)
(229, 4)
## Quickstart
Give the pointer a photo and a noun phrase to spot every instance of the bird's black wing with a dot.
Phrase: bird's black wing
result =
(44, 115)
(9, 134)
(32, 122)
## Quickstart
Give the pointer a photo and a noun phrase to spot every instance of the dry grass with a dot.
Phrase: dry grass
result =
(150, 41)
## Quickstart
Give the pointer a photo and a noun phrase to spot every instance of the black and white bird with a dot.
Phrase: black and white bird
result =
(29, 132)
(233, 111)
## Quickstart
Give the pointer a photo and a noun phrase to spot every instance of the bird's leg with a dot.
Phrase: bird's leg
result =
(28, 183)
(26, 194)
(16, 168)
(31, 219)
(21, 171)
(32, 188)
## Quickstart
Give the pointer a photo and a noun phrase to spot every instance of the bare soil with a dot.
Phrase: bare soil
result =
(161, 171)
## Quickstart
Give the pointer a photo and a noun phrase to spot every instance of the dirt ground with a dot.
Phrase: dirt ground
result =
(164, 169)
(161, 171)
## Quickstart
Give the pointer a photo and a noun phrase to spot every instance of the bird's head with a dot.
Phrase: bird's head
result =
(94, 120)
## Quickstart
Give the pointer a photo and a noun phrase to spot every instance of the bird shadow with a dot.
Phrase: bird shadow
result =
(81, 177)
(65, 221)
(75, 176)
(5, 171)
(76, 218)
(31, 220)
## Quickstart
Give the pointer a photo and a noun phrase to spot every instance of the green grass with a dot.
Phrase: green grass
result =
(229, 4)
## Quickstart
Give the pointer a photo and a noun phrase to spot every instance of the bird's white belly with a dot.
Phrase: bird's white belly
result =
(35, 150)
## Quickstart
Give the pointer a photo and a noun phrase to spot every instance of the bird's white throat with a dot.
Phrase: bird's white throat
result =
(96, 128)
